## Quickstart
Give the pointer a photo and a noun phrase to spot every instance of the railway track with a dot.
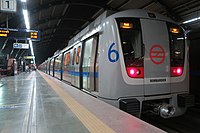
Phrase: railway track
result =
(188, 123)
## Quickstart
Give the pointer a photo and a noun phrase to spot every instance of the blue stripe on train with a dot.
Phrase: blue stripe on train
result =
(59, 71)
(84, 74)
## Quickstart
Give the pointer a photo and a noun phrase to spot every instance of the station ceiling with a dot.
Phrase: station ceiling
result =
(60, 20)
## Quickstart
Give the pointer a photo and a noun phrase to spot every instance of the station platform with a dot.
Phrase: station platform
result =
(38, 103)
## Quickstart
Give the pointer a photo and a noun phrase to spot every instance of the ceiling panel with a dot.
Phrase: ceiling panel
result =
(59, 20)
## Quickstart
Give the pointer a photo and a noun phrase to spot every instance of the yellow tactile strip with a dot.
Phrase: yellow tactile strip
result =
(89, 120)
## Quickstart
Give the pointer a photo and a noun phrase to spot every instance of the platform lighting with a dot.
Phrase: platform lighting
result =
(26, 19)
(32, 52)
(191, 20)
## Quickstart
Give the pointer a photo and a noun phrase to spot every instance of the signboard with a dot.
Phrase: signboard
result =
(157, 54)
(8, 5)
(20, 34)
(29, 57)
(20, 46)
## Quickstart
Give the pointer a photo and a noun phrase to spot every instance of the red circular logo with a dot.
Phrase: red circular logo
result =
(157, 54)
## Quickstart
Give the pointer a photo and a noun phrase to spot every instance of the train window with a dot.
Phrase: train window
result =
(78, 55)
(131, 40)
(87, 52)
(60, 58)
(67, 59)
(58, 61)
(177, 49)
(177, 44)
(74, 56)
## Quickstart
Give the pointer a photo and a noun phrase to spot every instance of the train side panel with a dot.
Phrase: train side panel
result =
(112, 85)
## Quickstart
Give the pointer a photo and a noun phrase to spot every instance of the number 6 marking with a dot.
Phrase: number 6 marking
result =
(112, 51)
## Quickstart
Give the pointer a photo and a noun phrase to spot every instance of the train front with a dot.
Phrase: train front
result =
(155, 59)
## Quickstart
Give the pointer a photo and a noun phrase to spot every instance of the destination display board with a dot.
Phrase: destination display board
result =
(20, 34)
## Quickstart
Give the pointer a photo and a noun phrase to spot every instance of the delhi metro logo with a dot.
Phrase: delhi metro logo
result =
(157, 54)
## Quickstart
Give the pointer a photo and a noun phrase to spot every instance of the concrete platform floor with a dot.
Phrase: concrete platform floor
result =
(19, 112)
(38, 103)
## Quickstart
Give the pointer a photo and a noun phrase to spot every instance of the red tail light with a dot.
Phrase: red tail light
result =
(135, 72)
(176, 71)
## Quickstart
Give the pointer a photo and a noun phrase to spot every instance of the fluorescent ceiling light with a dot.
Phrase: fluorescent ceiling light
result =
(191, 20)
(26, 19)
(23, 0)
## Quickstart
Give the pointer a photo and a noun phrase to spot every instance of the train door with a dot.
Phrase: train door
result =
(45, 67)
(57, 66)
(89, 65)
(157, 58)
(73, 67)
(51, 66)
(76, 65)
(66, 66)
(61, 66)
(48, 67)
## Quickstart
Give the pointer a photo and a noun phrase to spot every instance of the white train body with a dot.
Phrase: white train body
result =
(135, 60)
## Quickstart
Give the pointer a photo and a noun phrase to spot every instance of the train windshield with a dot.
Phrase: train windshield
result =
(131, 41)
(177, 45)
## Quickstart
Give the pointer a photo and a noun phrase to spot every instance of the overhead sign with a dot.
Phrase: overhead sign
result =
(20, 34)
(29, 57)
(20, 46)
(8, 5)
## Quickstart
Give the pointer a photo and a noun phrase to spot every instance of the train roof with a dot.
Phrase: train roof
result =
(93, 27)
(137, 13)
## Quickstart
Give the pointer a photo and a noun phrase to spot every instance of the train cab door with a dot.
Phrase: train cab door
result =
(89, 65)
(157, 58)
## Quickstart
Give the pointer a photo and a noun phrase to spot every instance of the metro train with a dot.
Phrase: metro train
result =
(135, 60)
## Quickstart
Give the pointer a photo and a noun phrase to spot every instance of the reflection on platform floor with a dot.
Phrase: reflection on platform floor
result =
(19, 112)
